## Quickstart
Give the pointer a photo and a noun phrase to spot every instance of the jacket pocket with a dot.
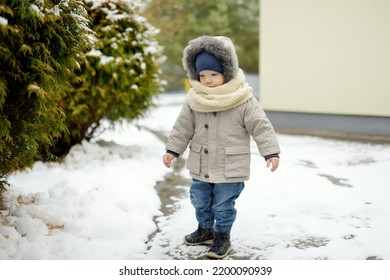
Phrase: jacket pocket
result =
(237, 161)
(193, 162)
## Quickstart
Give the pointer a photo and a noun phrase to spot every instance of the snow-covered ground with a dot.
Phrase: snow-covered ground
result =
(329, 199)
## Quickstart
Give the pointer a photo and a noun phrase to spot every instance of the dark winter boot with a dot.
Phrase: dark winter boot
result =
(202, 236)
(221, 246)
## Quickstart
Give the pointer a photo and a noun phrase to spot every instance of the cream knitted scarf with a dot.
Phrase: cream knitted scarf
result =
(214, 99)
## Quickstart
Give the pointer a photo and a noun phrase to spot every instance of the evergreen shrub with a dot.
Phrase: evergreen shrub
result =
(120, 75)
(42, 42)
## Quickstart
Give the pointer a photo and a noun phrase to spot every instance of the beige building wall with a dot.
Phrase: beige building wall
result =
(326, 56)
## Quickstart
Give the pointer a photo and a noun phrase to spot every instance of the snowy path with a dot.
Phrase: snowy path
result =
(329, 200)
(313, 228)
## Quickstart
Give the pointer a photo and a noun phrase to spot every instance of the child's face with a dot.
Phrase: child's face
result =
(210, 78)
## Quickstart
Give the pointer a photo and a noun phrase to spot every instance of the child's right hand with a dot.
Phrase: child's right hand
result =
(273, 163)
(167, 159)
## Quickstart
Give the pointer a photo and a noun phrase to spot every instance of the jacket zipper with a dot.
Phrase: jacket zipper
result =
(217, 144)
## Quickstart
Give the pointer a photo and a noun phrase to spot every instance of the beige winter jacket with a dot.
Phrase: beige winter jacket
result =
(219, 142)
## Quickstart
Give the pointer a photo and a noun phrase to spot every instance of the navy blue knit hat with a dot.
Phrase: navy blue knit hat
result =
(207, 61)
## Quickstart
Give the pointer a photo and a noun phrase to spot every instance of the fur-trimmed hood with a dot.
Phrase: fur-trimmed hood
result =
(221, 47)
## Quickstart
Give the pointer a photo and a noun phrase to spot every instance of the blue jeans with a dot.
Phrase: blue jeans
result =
(215, 203)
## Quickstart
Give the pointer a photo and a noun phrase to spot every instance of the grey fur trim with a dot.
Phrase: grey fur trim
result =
(221, 47)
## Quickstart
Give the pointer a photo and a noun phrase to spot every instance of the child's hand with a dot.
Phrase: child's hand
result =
(273, 162)
(167, 159)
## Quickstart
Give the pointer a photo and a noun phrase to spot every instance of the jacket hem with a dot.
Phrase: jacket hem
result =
(202, 178)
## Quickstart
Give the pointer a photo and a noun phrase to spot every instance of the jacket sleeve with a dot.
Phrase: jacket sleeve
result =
(182, 131)
(261, 129)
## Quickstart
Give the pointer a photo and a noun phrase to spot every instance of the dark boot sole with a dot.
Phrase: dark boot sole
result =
(206, 242)
(213, 255)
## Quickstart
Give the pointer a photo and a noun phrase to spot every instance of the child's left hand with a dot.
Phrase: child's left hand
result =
(273, 162)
